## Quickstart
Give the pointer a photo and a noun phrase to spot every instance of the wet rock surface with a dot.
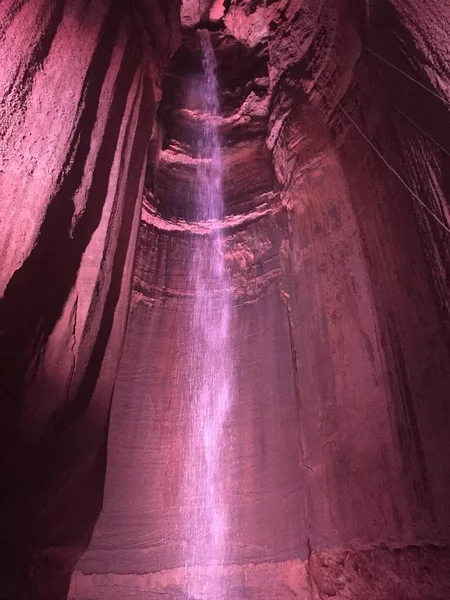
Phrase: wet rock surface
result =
(340, 323)
(335, 133)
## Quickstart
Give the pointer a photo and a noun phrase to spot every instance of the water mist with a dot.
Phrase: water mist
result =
(210, 385)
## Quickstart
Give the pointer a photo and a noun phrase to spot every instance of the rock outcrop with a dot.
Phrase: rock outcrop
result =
(79, 87)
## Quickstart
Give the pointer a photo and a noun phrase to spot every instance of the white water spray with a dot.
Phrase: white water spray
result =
(209, 395)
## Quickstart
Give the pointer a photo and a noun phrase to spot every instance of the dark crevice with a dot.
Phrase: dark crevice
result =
(215, 26)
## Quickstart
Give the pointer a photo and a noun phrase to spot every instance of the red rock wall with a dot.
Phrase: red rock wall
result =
(335, 125)
(338, 436)
(371, 332)
(374, 261)
(78, 88)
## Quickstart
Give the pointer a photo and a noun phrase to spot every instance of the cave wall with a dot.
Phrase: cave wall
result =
(371, 333)
(335, 135)
(336, 466)
(79, 90)
(377, 363)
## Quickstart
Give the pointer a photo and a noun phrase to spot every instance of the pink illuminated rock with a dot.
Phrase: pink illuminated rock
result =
(217, 10)
(335, 132)
(193, 11)
(250, 27)
(334, 472)
(78, 87)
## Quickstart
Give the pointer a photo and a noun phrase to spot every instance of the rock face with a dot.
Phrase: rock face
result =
(79, 89)
(335, 136)
(335, 121)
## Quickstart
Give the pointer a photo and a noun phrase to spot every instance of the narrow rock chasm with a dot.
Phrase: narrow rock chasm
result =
(335, 132)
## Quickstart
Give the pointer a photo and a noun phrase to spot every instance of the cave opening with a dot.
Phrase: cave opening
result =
(333, 245)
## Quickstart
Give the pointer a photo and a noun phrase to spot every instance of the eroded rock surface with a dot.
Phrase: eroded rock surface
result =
(79, 88)
(334, 128)
(335, 133)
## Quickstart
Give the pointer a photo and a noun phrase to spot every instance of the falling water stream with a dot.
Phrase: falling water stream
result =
(209, 395)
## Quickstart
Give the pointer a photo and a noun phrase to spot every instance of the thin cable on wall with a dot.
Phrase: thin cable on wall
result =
(430, 137)
(391, 168)
(427, 89)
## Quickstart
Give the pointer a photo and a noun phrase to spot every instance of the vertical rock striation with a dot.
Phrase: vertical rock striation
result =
(78, 95)
(361, 155)
(335, 126)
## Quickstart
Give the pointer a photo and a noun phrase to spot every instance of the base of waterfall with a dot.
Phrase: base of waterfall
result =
(251, 581)
(411, 572)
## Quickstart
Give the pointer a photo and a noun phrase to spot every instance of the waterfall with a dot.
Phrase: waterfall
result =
(209, 395)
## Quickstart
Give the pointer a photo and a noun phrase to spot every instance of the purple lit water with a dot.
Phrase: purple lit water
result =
(204, 504)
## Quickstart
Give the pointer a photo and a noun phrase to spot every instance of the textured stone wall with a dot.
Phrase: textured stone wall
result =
(370, 154)
(78, 95)
(335, 141)
(336, 470)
